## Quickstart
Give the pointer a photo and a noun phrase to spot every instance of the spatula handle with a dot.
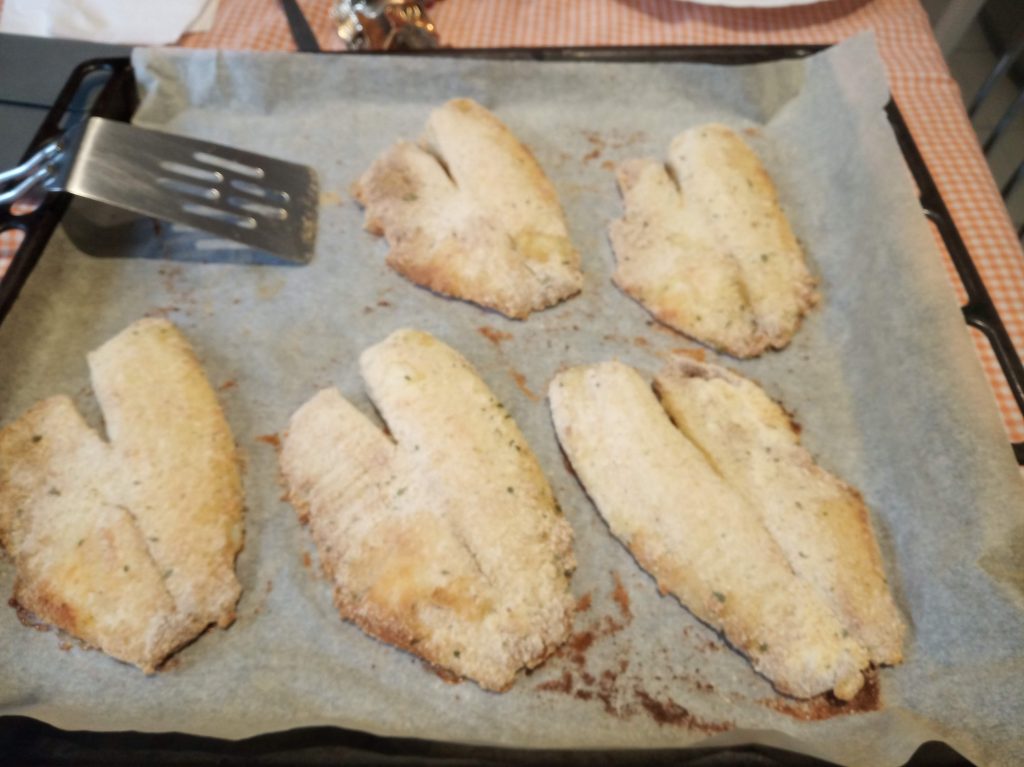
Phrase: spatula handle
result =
(34, 170)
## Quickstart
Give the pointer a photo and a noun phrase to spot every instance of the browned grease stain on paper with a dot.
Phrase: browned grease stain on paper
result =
(620, 694)
(270, 439)
(638, 342)
(669, 712)
(828, 706)
(563, 684)
(520, 380)
(621, 597)
(614, 139)
(711, 645)
(595, 139)
(493, 335)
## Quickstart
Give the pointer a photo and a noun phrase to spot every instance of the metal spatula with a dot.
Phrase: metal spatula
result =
(257, 201)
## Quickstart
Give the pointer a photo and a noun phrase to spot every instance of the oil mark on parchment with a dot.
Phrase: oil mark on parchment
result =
(616, 686)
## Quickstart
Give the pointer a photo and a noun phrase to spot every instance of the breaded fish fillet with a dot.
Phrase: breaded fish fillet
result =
(820, 522)
(706, 248)
(129, 544)
(446, 540)
(702, 541)
(469, 213)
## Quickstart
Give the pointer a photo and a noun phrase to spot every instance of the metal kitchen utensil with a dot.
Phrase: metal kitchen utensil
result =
(259, 202)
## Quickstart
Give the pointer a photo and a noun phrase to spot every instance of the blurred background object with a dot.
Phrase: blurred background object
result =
(384, 25)
(141, 22)
(983, 41)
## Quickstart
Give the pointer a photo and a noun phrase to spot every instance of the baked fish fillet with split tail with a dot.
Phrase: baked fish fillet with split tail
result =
(820, 522)
(442, 538)
(130, 544)
(705, 247)
(700, 539)
(469, 213)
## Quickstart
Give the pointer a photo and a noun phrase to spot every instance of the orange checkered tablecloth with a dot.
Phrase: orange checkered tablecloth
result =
(921, 84)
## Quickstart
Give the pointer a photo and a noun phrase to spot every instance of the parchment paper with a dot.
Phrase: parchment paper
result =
(882, 377)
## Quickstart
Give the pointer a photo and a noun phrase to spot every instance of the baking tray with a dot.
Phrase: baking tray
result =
(115, 97)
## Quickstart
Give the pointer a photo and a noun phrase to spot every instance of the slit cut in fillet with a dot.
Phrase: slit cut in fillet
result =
(469, 213)
(130, 544)
(820, 522)
(705, 541)
(446, 540)
(705, 247)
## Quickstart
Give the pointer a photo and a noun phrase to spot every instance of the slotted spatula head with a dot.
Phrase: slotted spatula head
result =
(258, 201)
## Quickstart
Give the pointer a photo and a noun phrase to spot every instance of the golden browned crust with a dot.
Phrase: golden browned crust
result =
(706, 248)
(469, 213)
(128, 545)
(447, 542)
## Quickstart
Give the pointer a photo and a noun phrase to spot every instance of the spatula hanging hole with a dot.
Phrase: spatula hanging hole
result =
(200, 174)
(184, 187)
(243, 222)
(259, 208)
(270, 195)
(29, 203)
(208, 244)
(230, 165)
